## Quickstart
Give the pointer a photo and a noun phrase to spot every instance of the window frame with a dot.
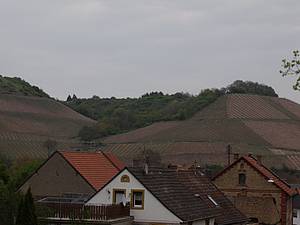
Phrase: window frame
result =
(132, 206)
(245, 179)
(295, 213)
(115, 190)
(125, 179)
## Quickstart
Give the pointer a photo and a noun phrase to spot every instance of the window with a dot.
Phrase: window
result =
(119, 196)
(207, 222)
(295, 213)
(137, 199)
(242, 179)
(125, 179)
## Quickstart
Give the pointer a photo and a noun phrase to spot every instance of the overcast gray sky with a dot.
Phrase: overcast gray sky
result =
(126, 48)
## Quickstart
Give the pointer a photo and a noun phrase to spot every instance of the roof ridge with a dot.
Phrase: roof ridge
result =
(74, 151)
(74, 167)
(87, 164)
(269, 170)
(255, 166)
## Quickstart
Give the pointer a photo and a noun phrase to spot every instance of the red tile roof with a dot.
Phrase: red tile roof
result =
(115, 160)
(96, 167)
(268, 174)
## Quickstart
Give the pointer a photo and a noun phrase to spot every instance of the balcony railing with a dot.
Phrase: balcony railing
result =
(71, 211)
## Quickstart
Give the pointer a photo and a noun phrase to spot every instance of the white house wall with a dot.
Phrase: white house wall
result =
(202, 222)
(296, 220)
(153, 211)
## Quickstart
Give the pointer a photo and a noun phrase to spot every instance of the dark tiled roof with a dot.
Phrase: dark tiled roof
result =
(186, 194)
(96, 167)
(264, 171)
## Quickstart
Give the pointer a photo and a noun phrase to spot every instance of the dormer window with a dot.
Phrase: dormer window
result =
(242, 179)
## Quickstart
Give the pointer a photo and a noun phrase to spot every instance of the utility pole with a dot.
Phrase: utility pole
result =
(228, 153)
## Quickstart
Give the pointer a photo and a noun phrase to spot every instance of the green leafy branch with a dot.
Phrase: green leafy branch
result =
(292, 68)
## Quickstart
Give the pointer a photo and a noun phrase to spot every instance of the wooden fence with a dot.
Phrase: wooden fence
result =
(73, 211)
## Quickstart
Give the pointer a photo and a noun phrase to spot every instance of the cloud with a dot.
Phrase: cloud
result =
(126, 48)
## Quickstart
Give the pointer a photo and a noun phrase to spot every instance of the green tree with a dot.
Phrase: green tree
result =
(69, 98)
(292, 68)
(26, 211)
(20, 215)
(3, 173)
(21, 170)
(12, 175)
(249, 87)
(17, 86)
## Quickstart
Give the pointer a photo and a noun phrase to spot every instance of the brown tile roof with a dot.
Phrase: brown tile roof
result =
(268, 174)
(186, 194)
(96, 167)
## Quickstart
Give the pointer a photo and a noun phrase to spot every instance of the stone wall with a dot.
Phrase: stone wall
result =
(258, 198)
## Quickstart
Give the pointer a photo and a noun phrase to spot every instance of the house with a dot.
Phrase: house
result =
(296, 204)
(168, 196)
(256, 191)
(72, 173)
(296, 210)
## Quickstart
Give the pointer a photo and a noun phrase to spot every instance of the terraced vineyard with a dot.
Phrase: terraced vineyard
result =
(267, 126)
(18, 145)
(26, 123)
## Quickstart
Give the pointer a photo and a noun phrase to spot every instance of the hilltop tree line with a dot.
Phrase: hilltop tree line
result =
(17, 86)
(117, 115)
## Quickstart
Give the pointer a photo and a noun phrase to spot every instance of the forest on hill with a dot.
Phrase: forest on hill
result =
(17, 86)
(118, 115)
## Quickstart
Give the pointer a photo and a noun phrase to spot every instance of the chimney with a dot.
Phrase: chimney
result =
(146, 168)
(146, 165)
(236, 156)
(259, 159)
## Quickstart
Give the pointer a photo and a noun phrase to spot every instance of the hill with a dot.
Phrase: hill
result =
(267, 126)
(17, 86)
(26, 123)
(119, 115)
